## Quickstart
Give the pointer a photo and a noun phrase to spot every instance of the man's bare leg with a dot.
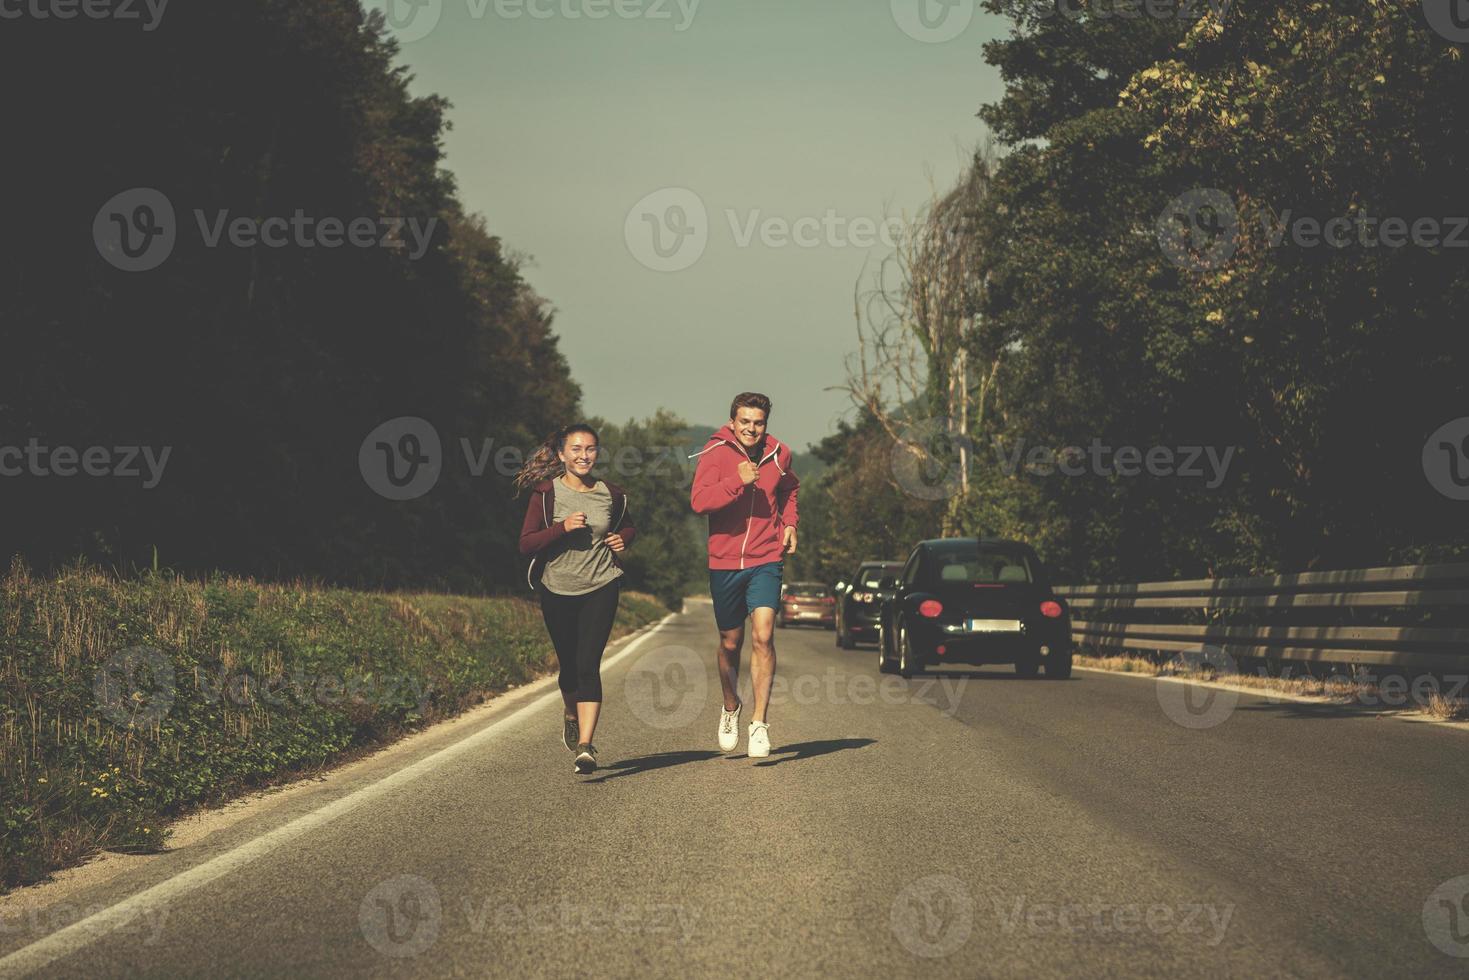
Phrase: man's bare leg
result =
(762, 658)
(730, 642)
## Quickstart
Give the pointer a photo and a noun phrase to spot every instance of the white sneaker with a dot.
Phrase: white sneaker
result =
(759, 746)
(729, 728)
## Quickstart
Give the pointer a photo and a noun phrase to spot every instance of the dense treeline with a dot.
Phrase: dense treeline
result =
(1136, 273)
(259, 370)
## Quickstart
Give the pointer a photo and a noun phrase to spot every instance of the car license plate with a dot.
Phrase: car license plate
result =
(994, 626)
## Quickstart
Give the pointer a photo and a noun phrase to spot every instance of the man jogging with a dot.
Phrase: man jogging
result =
(745, 484)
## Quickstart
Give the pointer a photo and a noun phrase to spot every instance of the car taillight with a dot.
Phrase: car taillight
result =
(830, 600)
(930, 608)
(1051, 610)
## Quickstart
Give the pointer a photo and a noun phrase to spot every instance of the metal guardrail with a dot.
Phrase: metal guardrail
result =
(1391, 597)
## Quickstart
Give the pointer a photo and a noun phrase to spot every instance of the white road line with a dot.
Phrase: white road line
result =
(65, 941)
(1398, 714)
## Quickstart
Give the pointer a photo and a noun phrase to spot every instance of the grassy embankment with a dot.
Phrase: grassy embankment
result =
(128, 702)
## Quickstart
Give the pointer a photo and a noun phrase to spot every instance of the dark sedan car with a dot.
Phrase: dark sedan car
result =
(858, 600)
(974, 601)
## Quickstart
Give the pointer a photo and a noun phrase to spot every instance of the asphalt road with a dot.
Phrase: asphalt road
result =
(968, 824)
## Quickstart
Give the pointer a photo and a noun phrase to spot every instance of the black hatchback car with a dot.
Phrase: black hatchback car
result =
(858, 600)
(974, 601)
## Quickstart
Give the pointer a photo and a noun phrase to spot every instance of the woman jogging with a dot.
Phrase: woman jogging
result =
(574, 528)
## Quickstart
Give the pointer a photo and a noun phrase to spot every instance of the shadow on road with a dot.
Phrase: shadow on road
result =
(1322, 709)
(647, 763)
(808, 750)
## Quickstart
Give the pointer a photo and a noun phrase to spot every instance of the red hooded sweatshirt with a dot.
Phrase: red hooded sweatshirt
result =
(746, 523)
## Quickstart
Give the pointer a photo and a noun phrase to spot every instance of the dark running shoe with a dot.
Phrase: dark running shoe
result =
(586, 758)
(570, 732)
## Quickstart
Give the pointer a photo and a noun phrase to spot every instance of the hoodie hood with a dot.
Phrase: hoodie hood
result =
(770, 451)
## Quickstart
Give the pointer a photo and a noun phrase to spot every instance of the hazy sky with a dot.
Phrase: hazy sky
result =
(579, 138)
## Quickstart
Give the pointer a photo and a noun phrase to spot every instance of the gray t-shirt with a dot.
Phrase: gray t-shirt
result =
(580, 561)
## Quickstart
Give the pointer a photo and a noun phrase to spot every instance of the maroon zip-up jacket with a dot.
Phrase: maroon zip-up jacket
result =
(538, 532)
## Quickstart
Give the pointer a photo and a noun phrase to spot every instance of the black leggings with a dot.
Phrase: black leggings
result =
(579, 626)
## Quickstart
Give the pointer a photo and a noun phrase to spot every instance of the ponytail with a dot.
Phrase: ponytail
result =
(546, 462)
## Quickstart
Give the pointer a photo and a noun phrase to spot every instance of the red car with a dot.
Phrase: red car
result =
(807, 602)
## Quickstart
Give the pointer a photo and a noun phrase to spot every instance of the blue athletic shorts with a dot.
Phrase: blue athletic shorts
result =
(738, 591)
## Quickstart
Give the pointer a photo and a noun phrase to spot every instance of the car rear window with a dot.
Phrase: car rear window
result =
(797, 588)
(872, 577)
(984, 567)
